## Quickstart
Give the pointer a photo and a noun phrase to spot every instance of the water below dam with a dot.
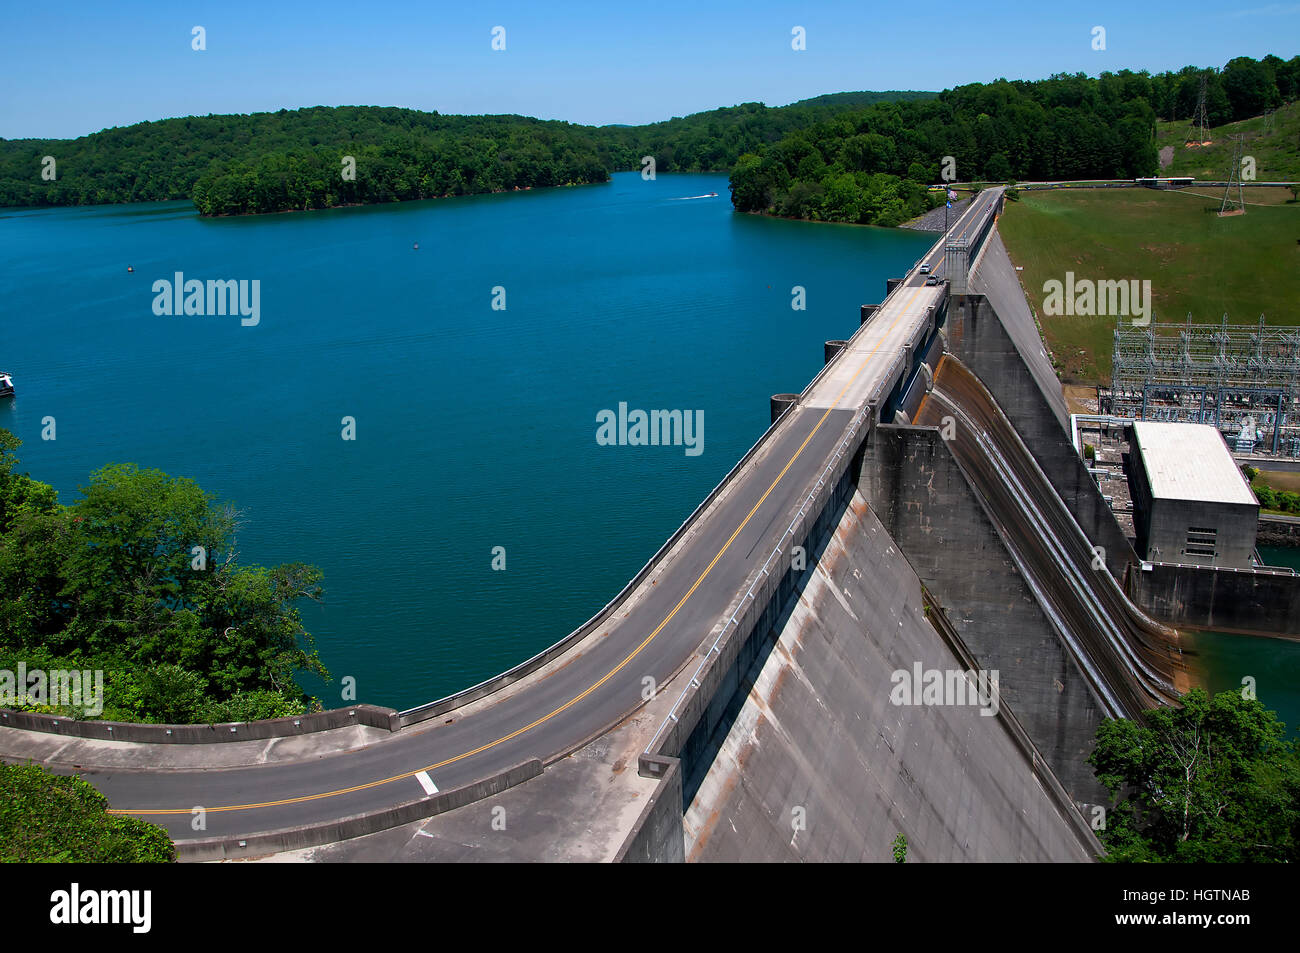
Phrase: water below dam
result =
(475, 426)
(1224, 658)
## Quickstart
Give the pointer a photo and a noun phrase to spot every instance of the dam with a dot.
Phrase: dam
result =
(918, 503)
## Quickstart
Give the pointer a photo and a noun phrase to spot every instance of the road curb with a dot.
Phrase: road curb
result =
(354, 825)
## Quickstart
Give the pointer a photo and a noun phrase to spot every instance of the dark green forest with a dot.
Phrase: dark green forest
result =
(863, 157)
(270, 162)
(867, 166)
(713, 141)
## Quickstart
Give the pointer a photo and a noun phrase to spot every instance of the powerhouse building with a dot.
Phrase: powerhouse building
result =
(1191, 502)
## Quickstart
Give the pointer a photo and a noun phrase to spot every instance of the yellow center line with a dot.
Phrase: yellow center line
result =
(614, 671)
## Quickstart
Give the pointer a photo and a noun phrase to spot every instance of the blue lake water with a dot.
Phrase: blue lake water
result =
(475, 427)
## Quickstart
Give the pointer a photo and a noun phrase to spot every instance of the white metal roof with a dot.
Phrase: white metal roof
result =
(1190, 462)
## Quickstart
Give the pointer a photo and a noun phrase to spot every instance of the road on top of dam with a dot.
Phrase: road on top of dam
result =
(599, 682)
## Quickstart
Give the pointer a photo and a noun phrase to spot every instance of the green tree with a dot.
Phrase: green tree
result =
(900, 849)
(751, 185)
(140, 578)
(1213, 780)
(19, 493)
(251, 706)
(998, 169)
(50, 818)
(1250, 86)
(176, 695)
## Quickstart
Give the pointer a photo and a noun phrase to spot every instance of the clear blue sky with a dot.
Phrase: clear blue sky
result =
(73, 68)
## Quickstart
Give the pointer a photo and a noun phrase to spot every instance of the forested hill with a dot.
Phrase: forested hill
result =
(862, 157)
(865, 98)
(713, 141)
(867, 165)
(269, 162)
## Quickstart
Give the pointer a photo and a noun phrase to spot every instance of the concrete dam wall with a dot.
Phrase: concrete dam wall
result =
(1137, 657)
(926, 503)
(999, 523)
(1041, 609)
(813, 760)
(994, 334)
(816, 763)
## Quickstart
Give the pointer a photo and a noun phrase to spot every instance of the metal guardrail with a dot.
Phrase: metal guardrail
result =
(1252, 571)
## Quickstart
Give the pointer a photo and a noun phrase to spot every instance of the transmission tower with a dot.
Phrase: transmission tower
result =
(1198, 131)
(1230, 205)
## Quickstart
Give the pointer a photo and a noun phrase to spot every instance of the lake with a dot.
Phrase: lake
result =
(475, 426)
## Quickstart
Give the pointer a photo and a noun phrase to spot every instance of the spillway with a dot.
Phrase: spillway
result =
(1131, 661)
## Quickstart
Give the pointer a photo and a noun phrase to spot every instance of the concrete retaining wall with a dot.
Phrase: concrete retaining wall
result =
(656, 837)
(1273, 532)
(370, 715)
(1237, 600)
(356, 825)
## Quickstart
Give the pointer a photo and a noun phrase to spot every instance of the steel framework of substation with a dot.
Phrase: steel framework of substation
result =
(1221, 374)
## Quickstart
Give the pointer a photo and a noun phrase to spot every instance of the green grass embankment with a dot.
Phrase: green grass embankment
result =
(1197, 262)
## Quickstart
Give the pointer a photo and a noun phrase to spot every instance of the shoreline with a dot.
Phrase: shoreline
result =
(429, 198)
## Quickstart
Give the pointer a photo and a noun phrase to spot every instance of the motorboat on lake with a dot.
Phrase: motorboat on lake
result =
(6, 385)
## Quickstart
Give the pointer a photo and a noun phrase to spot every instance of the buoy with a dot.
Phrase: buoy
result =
(129, 268)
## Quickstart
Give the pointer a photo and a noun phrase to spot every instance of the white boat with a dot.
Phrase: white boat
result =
(6, 385)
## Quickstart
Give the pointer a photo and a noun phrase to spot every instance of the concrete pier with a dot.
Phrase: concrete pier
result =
(781, 403)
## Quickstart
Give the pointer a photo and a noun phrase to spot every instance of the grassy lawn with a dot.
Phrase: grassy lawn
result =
(1278, 480)
(1277, 153)
(1259, 195)
(1243, 265)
